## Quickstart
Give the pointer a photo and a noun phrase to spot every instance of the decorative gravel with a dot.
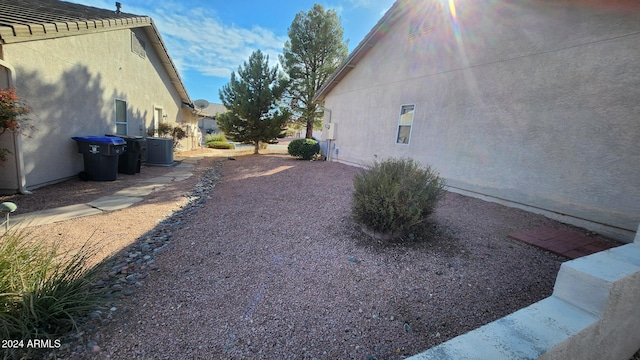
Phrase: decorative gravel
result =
(272, 266)
(262, 260)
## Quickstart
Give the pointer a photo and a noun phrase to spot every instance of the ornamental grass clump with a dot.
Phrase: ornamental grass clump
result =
(43, 291)
(395, 196)
(218, 141)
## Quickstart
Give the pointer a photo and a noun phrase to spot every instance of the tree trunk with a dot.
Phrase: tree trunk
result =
(309, 134)
(256, 147)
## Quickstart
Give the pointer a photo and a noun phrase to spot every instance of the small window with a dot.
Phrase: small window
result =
(404, 124)
(121, 117)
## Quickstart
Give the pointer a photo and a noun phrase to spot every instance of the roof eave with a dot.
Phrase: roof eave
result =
(170, 67)
(15, 33)
(389, 18)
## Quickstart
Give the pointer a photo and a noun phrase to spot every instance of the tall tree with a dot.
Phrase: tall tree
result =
(252, 100)
(314, 51)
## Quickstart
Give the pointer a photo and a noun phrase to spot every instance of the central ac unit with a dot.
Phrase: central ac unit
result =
(159, 151)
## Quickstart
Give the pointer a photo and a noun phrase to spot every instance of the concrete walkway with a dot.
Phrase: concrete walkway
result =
(119, 200)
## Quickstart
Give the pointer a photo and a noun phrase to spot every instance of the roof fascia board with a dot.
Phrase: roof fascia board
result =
(15, 33)
(165, 59)
(387, 20)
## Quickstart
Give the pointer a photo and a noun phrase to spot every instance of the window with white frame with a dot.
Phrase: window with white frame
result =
(121, 117)
(404, 124)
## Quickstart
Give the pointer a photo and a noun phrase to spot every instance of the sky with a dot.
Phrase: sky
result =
(209, 39)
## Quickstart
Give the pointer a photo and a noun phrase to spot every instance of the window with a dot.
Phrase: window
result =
(404, 124)
(121, 117)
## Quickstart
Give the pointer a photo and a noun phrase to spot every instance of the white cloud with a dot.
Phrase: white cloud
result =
(198, 40)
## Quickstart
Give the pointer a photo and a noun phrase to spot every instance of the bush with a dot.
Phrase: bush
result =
(218, 141)
(395, 196)
(220, 145)
(305, 149)
(165, 130)
(217, 137)
(42, 291)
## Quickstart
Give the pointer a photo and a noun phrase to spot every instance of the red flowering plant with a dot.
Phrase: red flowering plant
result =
(12, 112)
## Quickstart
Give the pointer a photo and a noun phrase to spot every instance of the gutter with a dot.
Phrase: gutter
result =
(17, 140)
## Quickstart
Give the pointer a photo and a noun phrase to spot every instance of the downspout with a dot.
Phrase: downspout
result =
(17, 139)
(328, 140)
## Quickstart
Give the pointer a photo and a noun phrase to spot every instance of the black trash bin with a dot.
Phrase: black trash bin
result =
(133, 155)
(100, 155)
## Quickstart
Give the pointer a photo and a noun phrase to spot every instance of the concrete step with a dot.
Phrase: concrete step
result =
(592, 314)
(525, 334)
(587, 282)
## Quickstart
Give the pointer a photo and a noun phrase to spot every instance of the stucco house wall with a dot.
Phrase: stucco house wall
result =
(533, 104)
(72, 82)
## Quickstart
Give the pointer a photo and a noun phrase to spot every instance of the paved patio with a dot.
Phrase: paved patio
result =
(570, 244)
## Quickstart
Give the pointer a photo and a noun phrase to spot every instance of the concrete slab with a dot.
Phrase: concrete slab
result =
(182, 177)
(180, 173)
(161, 165)
(185, 165)
(110, 203)
(159, 180)
(139, 190)
(49, 216)
(169, 177)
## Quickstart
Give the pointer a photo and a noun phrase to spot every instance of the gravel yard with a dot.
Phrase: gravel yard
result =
(262, 260)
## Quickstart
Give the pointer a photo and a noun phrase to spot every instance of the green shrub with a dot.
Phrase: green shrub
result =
(43, 291)
(164, 129)
(305, 149)
(218, 141)
(220, 145)
(395, 196)
(217, 137)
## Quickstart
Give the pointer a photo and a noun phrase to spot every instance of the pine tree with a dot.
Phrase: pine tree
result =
(314, 51)
(252, 99)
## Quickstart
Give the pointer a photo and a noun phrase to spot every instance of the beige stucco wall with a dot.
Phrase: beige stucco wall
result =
(72, 83)
(8, 168)
(532, 103)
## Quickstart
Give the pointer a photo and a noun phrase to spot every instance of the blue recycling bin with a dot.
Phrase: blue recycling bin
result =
(100, 155)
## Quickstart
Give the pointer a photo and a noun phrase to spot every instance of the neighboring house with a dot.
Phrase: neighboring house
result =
(534, 104)
(84, 71)
(207, 123)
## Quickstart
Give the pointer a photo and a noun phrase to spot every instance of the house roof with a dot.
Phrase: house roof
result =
(32, 20)
(214, 109)
(379, 30)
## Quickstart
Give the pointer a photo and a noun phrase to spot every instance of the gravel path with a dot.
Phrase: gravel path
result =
(266, 263)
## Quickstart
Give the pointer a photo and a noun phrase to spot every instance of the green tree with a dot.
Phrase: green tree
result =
(313, 52)
(252, 100)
